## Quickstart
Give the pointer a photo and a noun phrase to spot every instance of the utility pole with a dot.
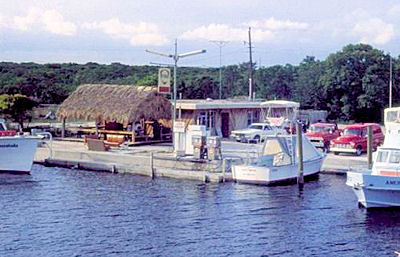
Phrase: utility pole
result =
(220, 43)
(176, 57)
(250, 67)
(390, 82)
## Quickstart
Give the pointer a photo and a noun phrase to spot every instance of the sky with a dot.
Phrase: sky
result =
(107, 31)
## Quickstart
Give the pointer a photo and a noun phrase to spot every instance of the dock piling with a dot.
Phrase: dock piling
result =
(300, 178)
(151, 165)
(223, 170)
(369, 146)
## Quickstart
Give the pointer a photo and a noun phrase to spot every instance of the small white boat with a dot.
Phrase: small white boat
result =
(16, 152)
(380, 187)
(278, 163)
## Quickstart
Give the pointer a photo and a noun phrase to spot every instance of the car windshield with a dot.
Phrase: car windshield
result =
(314, 128)
(353, 132)
(255, 127)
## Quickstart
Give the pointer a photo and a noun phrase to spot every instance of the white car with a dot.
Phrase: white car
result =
(256, 132)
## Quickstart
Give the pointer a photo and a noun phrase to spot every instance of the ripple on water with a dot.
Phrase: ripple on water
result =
(61, 212)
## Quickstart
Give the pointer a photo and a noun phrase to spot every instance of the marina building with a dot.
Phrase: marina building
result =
(219, 116)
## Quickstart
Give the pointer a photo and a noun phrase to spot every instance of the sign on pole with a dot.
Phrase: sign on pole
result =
(179, 126)
(164, 80)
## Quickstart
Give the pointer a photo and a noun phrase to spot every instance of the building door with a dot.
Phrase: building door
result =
(225, 124)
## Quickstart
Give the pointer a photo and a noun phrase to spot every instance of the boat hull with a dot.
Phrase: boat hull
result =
(375, 191)
(275, 175)
(17, 153)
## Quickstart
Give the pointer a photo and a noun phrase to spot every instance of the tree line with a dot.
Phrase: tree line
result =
(351, 84)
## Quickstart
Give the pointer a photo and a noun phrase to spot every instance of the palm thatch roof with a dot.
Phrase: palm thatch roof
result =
(120, 103)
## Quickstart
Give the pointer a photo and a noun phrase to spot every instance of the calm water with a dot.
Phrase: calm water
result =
(61, 212)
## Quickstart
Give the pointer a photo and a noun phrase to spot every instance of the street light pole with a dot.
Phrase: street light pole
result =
(176, 58)
(220, 43)
(175, 68)
(390, 82)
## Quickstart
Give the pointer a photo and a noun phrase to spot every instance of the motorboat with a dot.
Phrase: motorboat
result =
(278, 162)
(16, 151)
(380, 186)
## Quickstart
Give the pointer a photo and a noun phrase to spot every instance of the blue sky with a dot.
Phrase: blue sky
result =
(103, 31)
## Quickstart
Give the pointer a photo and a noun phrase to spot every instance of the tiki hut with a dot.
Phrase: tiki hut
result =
(125, 104)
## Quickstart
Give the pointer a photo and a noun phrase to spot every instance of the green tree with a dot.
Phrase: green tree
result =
(16, 107)
(347, 76)
(308, 89)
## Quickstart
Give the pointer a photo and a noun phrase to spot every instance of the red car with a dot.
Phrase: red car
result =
(320, 134)
(354, 139)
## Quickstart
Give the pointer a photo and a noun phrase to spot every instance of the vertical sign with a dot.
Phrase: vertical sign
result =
(164, 80)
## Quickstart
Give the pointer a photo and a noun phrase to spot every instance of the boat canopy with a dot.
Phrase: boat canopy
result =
(278, 111)
(282, 150)
(280, 104)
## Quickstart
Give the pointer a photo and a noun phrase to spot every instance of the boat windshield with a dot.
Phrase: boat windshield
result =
(382, 156)
(314, 128)
(274, 148)
(255, 127)
(392, 116)
(354, 132)
(394, 157)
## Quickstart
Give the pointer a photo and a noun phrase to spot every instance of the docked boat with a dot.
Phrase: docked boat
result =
(380, 187)
(16, 152)
(278, 162)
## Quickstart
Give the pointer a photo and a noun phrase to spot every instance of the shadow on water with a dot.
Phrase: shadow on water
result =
(382, 217)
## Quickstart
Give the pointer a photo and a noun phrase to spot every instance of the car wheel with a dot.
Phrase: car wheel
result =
(359, 151)
(336, 153)
(257, 138)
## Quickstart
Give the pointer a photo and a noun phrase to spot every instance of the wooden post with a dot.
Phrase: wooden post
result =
(151, 165)
(223, 170)
(63, 128)
(97, 128)
(369, 146)
(300, 178)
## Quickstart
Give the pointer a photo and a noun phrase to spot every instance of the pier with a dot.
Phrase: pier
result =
(159, 160)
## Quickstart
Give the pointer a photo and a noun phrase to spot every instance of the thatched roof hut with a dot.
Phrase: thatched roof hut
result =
(120, 103)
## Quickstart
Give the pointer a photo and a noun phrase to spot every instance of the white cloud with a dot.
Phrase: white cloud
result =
(141, 33)
(226, 32)
(26, 22)
(262, 30)
(50, 20)
(54, 23)
(374, 31)
(274, 24)
(394, 11)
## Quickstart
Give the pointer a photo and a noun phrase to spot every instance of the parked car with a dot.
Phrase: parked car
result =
(354, 139)
(256, 132)
(321, 134)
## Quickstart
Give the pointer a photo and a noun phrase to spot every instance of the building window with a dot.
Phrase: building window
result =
(249, 117)
(207, 119)
(256, 117)
(252, 116)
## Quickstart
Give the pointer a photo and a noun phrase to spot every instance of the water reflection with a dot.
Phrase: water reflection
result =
(59, 212)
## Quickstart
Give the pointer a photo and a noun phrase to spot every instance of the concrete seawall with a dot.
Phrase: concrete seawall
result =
(159, 162)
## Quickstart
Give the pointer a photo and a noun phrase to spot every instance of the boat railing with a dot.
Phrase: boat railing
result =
(47, 139)
(252, 155)
(357, 167)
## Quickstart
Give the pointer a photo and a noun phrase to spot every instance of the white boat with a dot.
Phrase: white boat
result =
(278, 162)
(16, 152)
(380, 187)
